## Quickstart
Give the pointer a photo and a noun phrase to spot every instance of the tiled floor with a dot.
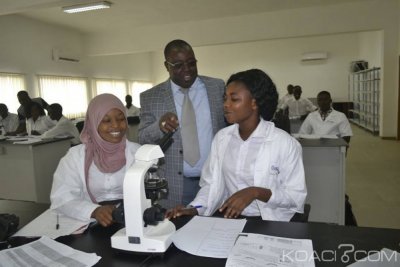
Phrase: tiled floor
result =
(373, 179)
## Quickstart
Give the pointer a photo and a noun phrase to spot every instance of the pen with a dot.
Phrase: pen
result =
(58, 222)
(193, 207)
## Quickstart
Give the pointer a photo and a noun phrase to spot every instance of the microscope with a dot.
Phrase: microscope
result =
(146, 230)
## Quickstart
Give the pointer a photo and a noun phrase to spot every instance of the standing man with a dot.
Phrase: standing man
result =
(298, 107)
(286, 97)
(192, 107)
(131, 110)
(326, 120)
(24, 111)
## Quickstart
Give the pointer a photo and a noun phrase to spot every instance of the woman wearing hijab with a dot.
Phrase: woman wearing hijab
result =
(254, 169)
(93, 172)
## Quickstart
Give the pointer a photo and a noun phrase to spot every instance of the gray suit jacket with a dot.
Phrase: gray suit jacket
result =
(155, 102)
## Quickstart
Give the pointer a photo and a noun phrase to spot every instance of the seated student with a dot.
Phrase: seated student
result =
(25, 109)
(298, 107)
(38, 123)
(326, 120)
(63, 127)
(254, 168)
(8, 121)
(93, 172)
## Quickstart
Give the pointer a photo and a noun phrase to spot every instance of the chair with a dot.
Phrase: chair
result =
(281, 121)
(302, 217)
(132, 120)
(79, 125)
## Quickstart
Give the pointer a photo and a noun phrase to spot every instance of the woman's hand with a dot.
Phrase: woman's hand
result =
(234, 205)
(180, 210)
(103, 215)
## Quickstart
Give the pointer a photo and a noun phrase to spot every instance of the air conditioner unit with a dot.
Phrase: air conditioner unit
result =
(57, 57)
(314, 56)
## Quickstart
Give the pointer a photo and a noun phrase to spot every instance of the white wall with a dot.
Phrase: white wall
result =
(281, 59)
(130, 67)
(26, 47)
(353, 17)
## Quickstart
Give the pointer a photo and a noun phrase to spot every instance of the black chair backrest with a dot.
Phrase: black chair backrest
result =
(133, 120)
(302, 217)
(79, 125)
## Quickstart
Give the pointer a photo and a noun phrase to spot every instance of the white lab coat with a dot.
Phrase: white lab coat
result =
(69, 193)
(298, 108)
(279, 167)
(63, 127)
(335, 124)
(42, 124)
(132, 111)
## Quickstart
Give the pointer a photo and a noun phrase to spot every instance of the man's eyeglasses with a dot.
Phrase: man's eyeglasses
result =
(179, 65)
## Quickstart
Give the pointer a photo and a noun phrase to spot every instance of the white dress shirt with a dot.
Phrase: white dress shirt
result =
(9, 123)
(63, 127)
(132, 111)
(198, 95)
(238, 165)
(42, 124)
(298, 108)
(336, 123)
(284, 99)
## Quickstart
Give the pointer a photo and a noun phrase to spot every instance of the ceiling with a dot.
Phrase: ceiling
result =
(127, 14)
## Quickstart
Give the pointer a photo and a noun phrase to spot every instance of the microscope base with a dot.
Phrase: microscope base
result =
(156, 239)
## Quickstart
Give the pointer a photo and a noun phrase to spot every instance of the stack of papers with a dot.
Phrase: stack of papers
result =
(46, 252)
(208, 236)
(46, 225)
(256, 250)
(28, 139)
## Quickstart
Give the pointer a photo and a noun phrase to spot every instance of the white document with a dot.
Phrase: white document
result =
(384, 258)
(23, 140)
(208, 236)
(46, 252)
(46, 225)
(256, 250)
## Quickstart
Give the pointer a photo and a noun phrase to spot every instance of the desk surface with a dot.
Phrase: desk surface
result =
(326, 241)
(323, 142)
(44, 141)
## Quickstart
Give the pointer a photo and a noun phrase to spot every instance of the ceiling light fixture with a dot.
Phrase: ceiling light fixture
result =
(86, 7)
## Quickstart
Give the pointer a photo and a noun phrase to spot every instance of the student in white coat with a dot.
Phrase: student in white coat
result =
(63, 127)
(8, 121)
(254, 169)
(38, 123)
(91, 175)
(326, 120)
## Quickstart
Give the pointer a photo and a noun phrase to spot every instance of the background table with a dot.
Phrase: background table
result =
(26, 170)
(325, 169)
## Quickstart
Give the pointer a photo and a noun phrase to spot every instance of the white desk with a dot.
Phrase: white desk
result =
(325, 165)
(26, 171)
